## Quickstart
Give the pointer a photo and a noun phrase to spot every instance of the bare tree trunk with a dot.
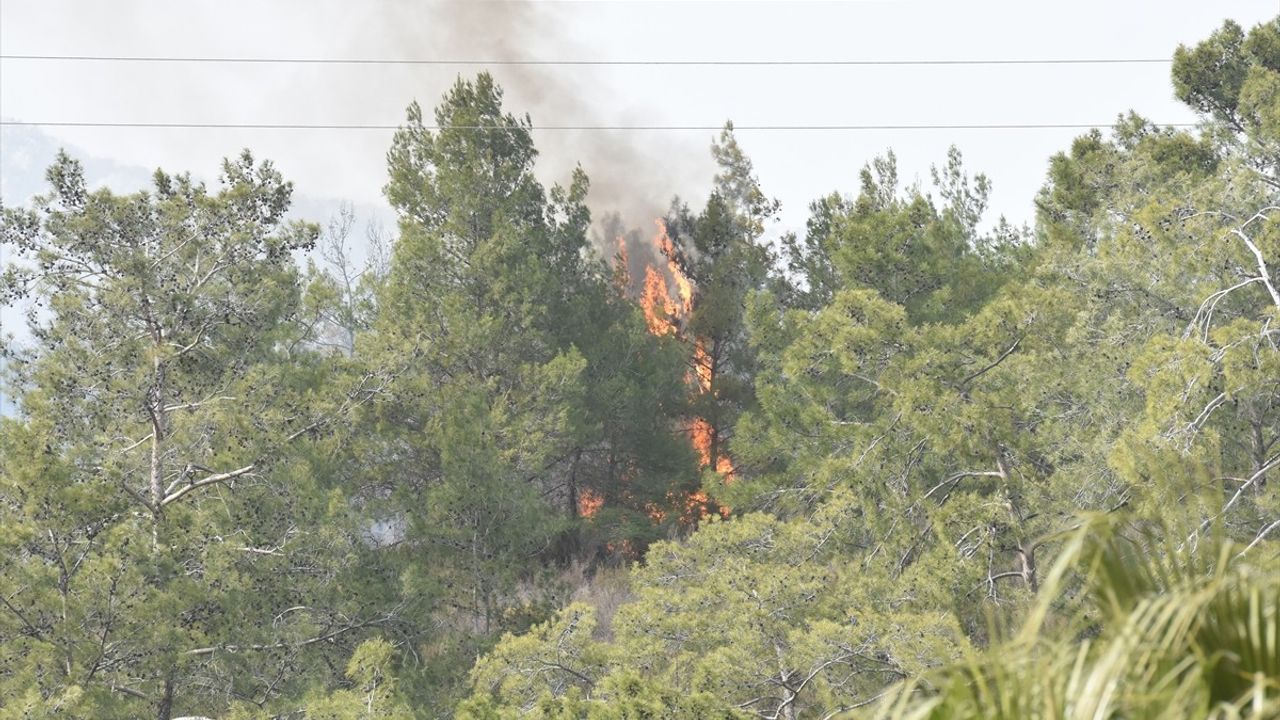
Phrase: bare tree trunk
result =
(1027, 566)
(1259, 447)
(164, 708)
(573, 484)
(156, 479)
(787, 711)
(1026, 550)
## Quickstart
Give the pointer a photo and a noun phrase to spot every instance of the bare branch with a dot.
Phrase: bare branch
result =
(1261, 535)
(280, 645)
(960, 476)
(135, 445)
(1263, 271)
(210, 480)
(1247, 484)
(130, 692)
(1205, 312)
(975, 375)
(194, 405)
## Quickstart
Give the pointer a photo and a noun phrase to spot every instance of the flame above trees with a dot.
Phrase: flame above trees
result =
(660, 311)
(666, 297)
(589, 502)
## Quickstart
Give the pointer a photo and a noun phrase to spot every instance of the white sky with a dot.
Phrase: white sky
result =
(640, 170)
(796, 167)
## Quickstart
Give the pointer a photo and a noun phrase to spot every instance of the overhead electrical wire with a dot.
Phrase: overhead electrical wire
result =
(572, 62)
(573, 128)
(580, 62)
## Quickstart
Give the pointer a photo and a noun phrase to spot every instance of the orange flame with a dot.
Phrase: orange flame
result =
(703, 367)
(684, 287)
(589, 503)
(690, 508)
(660, 311)
(700, 432)
(666, 315)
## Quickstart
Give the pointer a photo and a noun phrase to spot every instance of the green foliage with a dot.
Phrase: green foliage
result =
(930, 258)
(623, 697)
(723, 252)
(1234, 78)
(757, 614)
(1174, 634)
(373, 695)
(977, 471)
(528, 382)
(934, 405)
(550, 658)
(168, 537)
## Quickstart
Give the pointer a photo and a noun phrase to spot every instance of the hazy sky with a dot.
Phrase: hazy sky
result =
(641, 169)
(634, 171)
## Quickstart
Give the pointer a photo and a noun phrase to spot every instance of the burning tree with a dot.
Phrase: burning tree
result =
(694, 291)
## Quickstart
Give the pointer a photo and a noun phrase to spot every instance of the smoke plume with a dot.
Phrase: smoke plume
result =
(634, 174)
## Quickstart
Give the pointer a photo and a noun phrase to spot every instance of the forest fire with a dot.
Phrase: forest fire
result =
(655, 300)
(666, 298)
(701, 433)
(589, 502)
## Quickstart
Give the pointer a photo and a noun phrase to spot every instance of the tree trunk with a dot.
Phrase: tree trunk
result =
(156, 470)
(787, 711)
(164, 708)
(573, 484)
(1027, 566)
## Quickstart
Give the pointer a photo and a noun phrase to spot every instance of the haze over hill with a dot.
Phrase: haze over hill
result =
(534, 461)
(636, 172)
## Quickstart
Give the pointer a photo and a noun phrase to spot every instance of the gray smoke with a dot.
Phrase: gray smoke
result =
(634, 174)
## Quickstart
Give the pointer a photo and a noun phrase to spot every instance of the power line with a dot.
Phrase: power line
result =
(574, 128)
(587, 62)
